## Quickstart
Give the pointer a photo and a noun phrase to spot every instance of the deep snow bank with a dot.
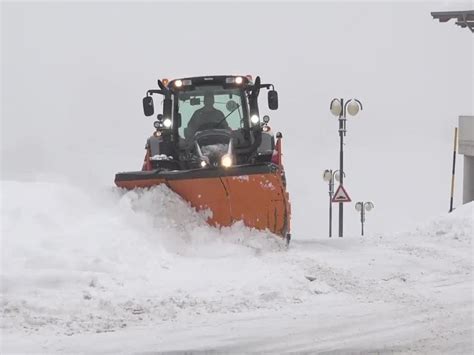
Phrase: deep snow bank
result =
(80, 261)
(89, 260)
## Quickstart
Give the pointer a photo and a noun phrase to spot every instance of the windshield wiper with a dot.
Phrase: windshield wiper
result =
(230, 113)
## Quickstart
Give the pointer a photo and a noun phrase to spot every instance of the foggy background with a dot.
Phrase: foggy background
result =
(73, 76)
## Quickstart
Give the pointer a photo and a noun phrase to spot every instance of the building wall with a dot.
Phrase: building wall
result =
(468, 180)
(466, 147)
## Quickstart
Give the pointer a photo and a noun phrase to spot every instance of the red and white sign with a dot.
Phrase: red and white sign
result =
(341, 195)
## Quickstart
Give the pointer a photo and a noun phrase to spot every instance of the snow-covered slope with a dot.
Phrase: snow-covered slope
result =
(108, 270)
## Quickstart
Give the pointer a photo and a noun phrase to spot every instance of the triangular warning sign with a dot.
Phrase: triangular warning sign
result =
(341, 195)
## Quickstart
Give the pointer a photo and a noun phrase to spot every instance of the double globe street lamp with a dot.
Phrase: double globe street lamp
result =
(339, 108)
(363, 207)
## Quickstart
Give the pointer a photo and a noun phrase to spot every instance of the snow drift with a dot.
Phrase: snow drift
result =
(78, 262)
(90, 261)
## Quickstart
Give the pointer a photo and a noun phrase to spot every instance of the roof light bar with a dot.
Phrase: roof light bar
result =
(182, 82)
(234, 80)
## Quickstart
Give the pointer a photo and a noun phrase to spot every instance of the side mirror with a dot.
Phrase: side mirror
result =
(273, 100)
(148, 108)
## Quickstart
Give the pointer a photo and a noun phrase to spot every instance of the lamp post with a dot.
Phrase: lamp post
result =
(363, 207)
(339, 108)
(329, 176)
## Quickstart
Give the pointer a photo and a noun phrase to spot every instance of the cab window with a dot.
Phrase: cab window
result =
(227, 101)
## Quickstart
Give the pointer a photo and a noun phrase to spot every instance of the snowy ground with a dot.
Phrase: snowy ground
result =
(107, 271)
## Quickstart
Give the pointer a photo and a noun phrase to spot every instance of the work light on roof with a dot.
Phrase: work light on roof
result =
(178, 83)
(234, 80)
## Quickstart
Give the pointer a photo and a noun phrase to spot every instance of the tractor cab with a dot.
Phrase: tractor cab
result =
(209, 122)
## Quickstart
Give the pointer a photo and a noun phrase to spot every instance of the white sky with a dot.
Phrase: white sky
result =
(73, 76)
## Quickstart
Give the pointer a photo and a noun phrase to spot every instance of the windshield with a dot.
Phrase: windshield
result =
(208, 107)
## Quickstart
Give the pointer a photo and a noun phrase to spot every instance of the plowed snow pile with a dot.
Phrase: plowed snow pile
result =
(78, 262)
(107, 270)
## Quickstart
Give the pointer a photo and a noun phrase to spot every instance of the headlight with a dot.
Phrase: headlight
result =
(203, 164)
(239, 80)
(167, 123)
(254, 119)
(226, 161)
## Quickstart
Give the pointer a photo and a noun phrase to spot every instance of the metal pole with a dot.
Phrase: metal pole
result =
(362, 218)
(454, 169)
(341, 165)
(330, 215)
(331, 184)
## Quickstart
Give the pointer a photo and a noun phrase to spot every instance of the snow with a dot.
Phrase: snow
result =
(267, 185)
(86, 268)
(161, 157)
(241, 178)
(105, 270)
(214, 149)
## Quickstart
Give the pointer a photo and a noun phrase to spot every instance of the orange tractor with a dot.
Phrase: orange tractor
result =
(212, 148)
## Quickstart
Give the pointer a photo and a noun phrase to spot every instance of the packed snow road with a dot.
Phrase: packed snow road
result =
(113, 271)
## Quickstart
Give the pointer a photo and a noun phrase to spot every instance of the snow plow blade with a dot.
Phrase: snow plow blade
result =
(254, 194)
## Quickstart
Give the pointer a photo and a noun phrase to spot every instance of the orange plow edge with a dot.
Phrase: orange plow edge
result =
(254, 194)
